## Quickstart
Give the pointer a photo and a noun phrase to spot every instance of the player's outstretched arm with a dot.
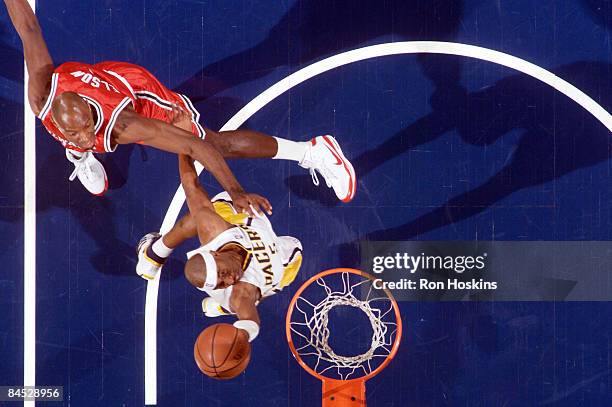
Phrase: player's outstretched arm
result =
(208, 223)
(38, 60)
(197, 198)
(243, 302)
(132, 128)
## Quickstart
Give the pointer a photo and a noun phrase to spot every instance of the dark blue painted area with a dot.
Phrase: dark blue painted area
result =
(446, 148)
(11, 211)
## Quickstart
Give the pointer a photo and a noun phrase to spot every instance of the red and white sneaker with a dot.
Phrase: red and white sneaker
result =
(89, 170)
(325, 156)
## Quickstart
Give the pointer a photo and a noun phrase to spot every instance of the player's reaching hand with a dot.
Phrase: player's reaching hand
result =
(253, 204)
(131, 127)
(179, 117)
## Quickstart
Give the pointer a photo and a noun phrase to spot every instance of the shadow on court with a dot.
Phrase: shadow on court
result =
(313, 29)
(558, 137)
(97, 216)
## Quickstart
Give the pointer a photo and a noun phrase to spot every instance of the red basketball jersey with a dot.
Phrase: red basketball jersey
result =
(109, 87)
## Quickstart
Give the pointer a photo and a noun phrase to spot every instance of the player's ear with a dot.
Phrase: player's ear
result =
(195, 271)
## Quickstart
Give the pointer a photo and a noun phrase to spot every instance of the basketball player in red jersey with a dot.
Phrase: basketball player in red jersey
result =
(94, 108)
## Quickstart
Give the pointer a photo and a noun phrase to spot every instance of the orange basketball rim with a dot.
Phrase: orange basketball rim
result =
(345, 389)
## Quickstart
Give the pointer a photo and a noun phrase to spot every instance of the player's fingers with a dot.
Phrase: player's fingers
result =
(182, 111)
(261, 204)
(255, 205)
(171, 114)
(256, 210)
(265, 204)
(244, 208)
(177, 111)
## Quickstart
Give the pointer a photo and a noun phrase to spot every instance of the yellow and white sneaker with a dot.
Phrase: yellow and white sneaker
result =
(89, 170)
(148, 265)
(325, 156)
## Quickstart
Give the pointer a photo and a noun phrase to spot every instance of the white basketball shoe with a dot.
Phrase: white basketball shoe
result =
(89, 171)
(325, 156)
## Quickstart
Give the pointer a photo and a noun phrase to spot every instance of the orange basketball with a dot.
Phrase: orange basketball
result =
(221, 353)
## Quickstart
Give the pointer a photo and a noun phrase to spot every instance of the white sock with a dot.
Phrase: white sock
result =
(161, 249)
(291, 150)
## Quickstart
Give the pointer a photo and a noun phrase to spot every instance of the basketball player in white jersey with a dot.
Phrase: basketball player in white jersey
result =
(240, 259)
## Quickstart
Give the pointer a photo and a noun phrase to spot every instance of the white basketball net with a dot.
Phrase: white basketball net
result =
(314, 330)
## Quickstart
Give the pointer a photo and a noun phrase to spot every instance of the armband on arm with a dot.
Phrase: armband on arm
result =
(251, 327)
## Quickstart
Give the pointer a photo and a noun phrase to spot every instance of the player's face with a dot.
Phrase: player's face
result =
(229, 269)
(82, 135)
(78, 129)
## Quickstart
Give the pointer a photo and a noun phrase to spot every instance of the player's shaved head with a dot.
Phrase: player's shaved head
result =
(195, 271)
(70, 110)
(73, 117)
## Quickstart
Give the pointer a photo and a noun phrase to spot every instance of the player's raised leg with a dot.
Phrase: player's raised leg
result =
(153, 249)
(320, 154)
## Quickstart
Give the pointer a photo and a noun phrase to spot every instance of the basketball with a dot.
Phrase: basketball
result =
(221, 352)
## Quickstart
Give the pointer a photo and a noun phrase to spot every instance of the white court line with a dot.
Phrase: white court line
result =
(29, 237)
(360, 54)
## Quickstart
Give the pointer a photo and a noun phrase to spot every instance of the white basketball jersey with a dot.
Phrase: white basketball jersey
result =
(269, 255)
